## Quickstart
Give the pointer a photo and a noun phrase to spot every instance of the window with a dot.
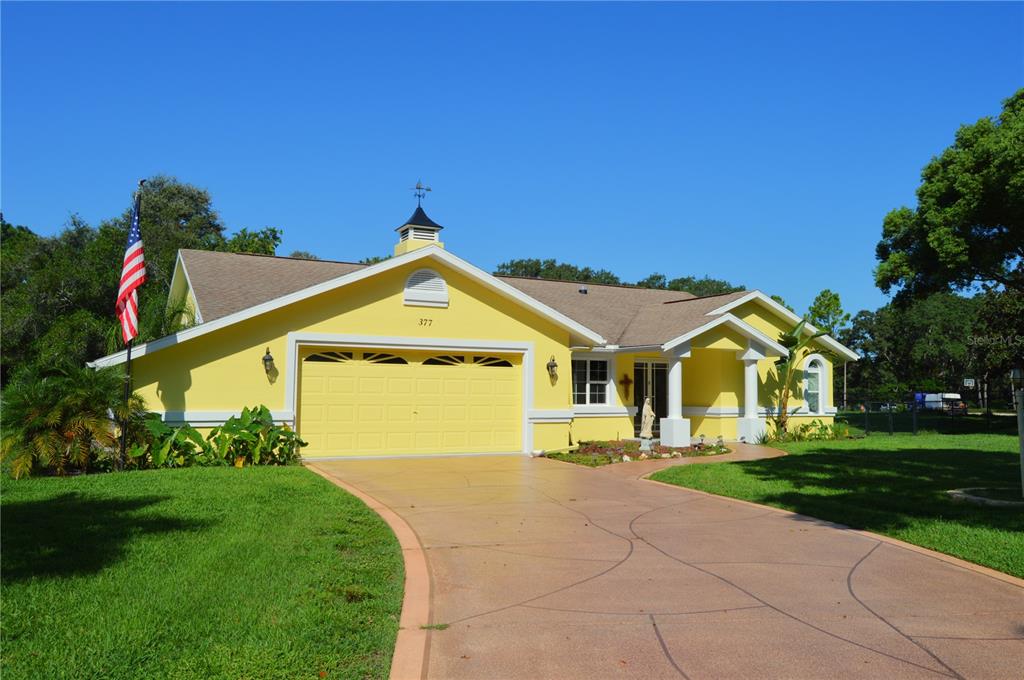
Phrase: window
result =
(589, 381)
(812, 386)
(382, 358)
(426, 288)
(339, 357)
(457, 360)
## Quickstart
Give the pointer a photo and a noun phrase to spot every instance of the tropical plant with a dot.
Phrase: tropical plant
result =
(816, 430)
(798, 345)
(249, 438)
(66, 417)
(167, 446)
(253, 438)
(154, 322)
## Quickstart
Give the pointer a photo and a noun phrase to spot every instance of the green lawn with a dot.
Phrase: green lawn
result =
(892, 485)
(263, 572)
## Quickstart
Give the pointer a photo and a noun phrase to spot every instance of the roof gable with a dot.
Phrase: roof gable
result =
(231, 287)
(227, 283)
(760, 298)
(429, 252)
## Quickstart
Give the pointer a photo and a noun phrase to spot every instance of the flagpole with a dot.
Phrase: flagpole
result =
(127, 397)
(128, 364)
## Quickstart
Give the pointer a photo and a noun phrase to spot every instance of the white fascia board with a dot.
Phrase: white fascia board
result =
(735, 323)
(217, 418)
(515, 294)
(615, 349)
(827, 340)
(431, 251)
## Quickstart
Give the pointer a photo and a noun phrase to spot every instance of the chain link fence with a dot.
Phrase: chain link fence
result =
(886, 416)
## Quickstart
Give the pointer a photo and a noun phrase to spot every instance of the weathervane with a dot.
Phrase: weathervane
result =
(420, 192)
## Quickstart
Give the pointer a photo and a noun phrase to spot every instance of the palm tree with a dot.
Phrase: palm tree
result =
(798, 345)
(64, 417)
(156, 320)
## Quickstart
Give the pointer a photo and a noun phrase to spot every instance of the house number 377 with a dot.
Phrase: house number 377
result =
(426, 322)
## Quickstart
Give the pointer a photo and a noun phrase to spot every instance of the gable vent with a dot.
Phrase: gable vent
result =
(418, 234)
(426, 288)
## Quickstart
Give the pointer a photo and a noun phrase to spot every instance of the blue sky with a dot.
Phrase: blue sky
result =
(762, 143)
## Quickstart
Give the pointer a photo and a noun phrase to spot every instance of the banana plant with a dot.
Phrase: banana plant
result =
(798, 345)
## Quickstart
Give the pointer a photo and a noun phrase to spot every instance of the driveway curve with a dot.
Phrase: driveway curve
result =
(543, 569)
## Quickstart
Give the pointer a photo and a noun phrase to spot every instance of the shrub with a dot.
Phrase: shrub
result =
(250, 438)
(65, 417)
(70, 417)
(815, 430)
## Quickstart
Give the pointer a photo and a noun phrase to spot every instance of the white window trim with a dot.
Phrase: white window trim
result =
(610, 396)
(823, 383)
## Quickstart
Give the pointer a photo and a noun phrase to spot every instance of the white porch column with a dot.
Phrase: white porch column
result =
(675, 388)
(675, 430)
(750, 388)
(751, 426)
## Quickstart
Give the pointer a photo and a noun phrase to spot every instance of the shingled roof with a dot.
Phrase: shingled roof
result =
(225, 283)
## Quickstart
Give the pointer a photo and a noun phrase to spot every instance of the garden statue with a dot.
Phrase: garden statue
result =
(646, 425)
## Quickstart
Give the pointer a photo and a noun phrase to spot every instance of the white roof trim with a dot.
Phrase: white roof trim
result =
(729, 320)
(771, 304)
(431, 251)
(195, 300)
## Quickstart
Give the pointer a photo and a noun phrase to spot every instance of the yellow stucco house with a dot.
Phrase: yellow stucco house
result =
(424, 354)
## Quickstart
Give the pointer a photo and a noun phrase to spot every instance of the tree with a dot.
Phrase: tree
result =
(826, 312)
(303, 255)
(997, 340)
(923, 345)
(374, 259)
(701, 287)
(262, 242)
(550, 269)
(968, 226)
(778, 298)
(58, 292)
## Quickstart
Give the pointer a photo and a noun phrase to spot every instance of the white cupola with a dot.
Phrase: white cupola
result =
(418, 231)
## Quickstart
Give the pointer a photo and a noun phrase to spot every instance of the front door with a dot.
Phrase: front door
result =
(650, 378)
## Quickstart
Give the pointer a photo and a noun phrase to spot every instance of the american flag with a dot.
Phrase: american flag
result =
(133, 275)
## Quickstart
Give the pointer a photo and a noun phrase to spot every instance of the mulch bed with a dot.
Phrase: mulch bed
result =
(596, 453)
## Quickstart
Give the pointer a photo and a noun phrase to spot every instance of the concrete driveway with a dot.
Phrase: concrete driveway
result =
(543, 569)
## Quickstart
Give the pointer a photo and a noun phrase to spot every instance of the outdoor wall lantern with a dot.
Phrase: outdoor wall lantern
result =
(268, 362)
(553, 368)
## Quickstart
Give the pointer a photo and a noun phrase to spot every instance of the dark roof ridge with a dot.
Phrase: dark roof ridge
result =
(636, 313)
(706, 297)
(590, 283)
(275, 257)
